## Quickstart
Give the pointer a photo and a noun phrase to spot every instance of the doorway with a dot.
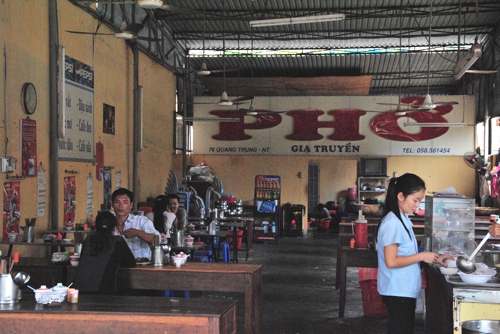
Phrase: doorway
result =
(312, 187)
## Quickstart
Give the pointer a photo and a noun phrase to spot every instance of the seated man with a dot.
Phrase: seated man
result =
(138, 231)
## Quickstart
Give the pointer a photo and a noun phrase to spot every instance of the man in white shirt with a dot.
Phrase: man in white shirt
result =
(138, 231)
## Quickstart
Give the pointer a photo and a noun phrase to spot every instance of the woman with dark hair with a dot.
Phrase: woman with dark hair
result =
(399, 278)
(161, 218)
(102, 255)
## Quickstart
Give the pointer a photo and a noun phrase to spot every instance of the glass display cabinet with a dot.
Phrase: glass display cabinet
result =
(449, 222)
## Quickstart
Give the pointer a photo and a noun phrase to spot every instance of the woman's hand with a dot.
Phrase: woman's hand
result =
(442, 257)
(494, 230)
(429, 257)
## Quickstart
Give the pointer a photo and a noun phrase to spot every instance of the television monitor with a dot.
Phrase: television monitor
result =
(373, 167)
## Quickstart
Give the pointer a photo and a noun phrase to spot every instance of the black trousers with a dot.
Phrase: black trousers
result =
(401, 314)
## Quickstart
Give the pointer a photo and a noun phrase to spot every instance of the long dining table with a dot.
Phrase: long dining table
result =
(197, 276)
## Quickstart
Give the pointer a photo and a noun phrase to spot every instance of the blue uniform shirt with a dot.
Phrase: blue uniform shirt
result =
(398, 282)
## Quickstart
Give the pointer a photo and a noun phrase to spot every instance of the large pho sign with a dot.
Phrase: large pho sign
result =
(76, 142)
(334, 126)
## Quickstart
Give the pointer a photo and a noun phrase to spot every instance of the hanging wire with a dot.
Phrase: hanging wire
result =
(429, 51)
(224, 45)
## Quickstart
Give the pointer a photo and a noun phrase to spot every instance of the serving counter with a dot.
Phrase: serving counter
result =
(449, 301)
(113, 314)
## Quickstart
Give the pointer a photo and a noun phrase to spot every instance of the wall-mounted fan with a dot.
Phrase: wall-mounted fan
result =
(127, 31)
(474, 160)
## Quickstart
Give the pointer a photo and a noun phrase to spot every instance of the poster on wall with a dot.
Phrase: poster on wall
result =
(28, 147)
(118, 180)
(42, 187)
(107, 192)
(11, 209)
(77, 144)
(336, 126)
(69, 199)
(108, 123)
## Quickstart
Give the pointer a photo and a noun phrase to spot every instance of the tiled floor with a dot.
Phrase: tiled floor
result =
(299, 293)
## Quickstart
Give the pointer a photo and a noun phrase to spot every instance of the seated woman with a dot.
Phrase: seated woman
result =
(102, 255)
(162, 219)
(321, 212)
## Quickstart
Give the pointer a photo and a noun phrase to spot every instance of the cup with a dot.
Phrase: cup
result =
(15, 256)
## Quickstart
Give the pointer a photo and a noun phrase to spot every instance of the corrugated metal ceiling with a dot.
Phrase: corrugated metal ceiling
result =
(224, 25)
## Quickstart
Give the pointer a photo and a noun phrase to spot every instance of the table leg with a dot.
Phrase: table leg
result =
(253, 315)
(342, 292)
(235, 245)
(337, 272)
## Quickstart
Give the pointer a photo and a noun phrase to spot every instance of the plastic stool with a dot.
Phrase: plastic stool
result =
(174, 293)
(204, 254)
(225, 252)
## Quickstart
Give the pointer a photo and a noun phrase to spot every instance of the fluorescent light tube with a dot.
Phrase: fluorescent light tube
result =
(434, 125)
(150, 4)
(467, 61)
(211, 119)
(297, 20)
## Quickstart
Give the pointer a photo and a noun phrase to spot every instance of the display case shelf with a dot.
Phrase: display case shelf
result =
(267, 208)
(372, 186)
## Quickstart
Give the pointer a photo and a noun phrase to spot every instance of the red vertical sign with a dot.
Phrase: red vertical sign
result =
(99, 153)
(28, 147)
(69, 199)
(11, 207)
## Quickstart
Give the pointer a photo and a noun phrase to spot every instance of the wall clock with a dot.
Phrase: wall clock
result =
(29, 99)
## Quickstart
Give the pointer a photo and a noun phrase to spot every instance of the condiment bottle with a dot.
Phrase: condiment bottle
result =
(74, 296)
(352, 243)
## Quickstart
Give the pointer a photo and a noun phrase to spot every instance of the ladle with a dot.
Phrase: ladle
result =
(21, 278)
(466, 265)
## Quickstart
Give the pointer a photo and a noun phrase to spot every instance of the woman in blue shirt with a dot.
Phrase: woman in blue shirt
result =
(399, 279)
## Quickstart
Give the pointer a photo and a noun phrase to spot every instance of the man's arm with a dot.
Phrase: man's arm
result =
(132, 233)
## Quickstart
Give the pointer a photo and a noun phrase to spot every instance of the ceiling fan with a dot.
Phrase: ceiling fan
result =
(427, 104)
(403, 109)
(127, 31)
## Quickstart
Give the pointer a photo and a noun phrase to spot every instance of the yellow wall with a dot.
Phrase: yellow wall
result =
(336, 174)
(27, 60)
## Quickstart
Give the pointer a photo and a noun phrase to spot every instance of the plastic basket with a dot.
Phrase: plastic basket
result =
(373, 306)
(366, 274)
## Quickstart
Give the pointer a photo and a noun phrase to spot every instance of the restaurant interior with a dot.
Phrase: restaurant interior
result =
(209, 100)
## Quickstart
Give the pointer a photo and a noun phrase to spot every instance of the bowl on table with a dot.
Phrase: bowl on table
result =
(74, 259)
(480, 276)
(448, 271)
(451, 263)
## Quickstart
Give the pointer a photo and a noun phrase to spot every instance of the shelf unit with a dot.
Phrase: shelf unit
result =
(267, 208)
(374, 187)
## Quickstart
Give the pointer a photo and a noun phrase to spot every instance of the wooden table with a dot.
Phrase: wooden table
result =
(353, 257)
(113, 314)
(197, 276)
